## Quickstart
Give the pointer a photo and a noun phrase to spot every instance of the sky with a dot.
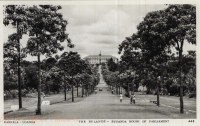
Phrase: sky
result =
(95, 28)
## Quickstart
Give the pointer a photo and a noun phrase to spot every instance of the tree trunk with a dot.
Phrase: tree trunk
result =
(115, 88)
(82, 91)
(90, 89)
(162, 81)
(19, 75)
(48, 88)
(39, 86)
(180, 78)
(133, 86)
(158, 101)
(77, 90)
(65, 88)
(72, 90)
(128, 90)
(87, 90)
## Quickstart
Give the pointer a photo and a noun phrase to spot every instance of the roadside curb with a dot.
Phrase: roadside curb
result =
(8, 112)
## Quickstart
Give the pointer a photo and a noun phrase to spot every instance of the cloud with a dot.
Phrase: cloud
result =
(99, 27)
(8, 30)
(79, 15)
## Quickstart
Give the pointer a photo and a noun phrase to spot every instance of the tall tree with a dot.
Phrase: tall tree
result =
(181, 21)
(16, 16)
(164, 29)
(47, 29)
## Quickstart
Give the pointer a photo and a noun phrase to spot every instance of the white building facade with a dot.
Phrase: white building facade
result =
(98, 59)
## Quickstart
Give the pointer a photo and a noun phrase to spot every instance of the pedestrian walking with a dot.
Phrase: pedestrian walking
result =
(131, 99)
(134, 99)
(112, 91)
(121, 97)
(95, 91)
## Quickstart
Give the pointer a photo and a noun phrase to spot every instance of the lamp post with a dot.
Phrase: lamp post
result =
(65, 88)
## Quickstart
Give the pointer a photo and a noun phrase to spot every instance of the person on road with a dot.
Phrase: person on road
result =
(134, 99)
(120, 97)
(112, 91)
(95, 91)
(131, 99)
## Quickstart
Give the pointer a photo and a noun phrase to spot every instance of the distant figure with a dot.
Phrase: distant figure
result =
(95, 91)
(134, 99)
(112, 91)
(121, 97)
(131, 99)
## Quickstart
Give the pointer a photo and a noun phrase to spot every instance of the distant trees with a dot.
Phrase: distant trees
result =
(73, 66)
(112, 66)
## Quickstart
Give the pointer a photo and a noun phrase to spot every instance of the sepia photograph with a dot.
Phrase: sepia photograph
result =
(105, 62)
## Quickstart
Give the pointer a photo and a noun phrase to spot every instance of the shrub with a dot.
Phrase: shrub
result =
(173, 90)
(192, 95)
(164, 91)
(8, 94)
(13, 93)
(32, 90)
(24, 92)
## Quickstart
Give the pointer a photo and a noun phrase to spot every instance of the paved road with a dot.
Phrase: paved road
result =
(103, 105)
